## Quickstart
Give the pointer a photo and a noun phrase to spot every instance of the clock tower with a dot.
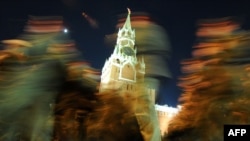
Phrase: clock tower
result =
(123, 69)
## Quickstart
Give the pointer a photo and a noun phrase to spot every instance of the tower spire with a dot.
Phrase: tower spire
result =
(129, 12)
(127, 24)
(126, 32)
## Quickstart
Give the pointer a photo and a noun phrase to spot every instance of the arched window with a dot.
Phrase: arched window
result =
(117, 61)
(128, 72)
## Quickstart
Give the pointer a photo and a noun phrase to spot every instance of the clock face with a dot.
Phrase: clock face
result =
(128, 51)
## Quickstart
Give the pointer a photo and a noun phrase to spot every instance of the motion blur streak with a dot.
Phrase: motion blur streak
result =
(34, 70)
(215, 83)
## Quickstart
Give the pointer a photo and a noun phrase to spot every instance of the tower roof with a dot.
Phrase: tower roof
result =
(127, 24)
(126, 32)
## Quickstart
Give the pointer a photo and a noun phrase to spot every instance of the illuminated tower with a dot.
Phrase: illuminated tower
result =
(123, 69)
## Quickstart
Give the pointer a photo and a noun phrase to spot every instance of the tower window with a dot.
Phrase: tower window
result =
(128, 72)
(118, 61)
(124, 43)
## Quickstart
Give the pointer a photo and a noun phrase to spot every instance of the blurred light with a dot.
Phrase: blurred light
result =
(65, 30)
(92, 22)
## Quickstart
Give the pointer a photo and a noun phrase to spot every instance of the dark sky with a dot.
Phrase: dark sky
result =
(178, 17)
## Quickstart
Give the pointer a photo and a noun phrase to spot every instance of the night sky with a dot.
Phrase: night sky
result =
(178, 17)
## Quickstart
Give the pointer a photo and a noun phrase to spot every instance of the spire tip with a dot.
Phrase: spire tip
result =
(129, 12)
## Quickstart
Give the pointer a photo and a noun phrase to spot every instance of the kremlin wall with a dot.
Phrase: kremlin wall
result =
(165, 114)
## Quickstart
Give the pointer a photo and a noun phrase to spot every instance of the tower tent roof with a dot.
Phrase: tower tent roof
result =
(127, 24)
